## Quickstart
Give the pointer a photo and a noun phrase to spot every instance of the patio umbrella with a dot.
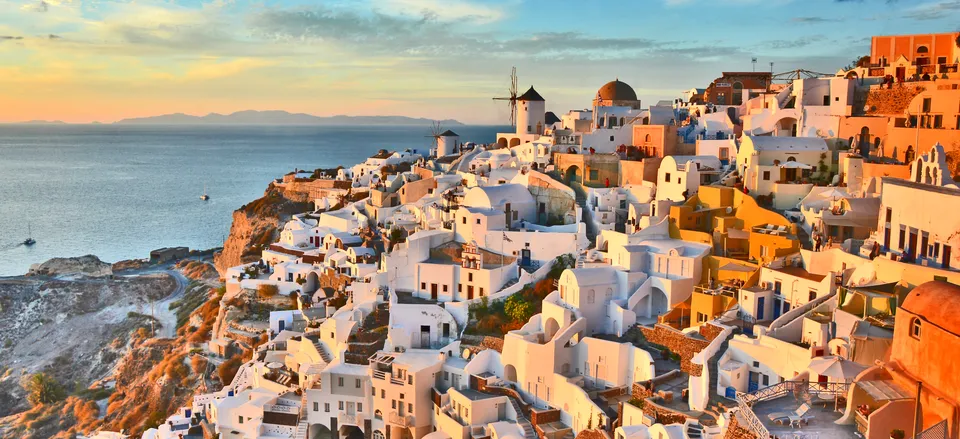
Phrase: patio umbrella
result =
(836, 367)
(833, 193)
(797, 165)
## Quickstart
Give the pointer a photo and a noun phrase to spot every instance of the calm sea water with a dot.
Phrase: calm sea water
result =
(120, 191)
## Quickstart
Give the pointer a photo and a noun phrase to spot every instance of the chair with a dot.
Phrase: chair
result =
(800, 416)
(779, 417)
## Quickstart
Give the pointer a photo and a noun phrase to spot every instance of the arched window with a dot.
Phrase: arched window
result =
(737, 93)
(915, 327)
(923, 49)
(813, 296)
(646, 139)
(377, 434)
(791, 159)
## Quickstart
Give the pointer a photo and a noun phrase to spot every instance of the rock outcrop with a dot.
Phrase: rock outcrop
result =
(255, 226)
(89, 266)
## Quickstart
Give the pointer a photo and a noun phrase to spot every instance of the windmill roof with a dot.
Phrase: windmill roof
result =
(549, 118)
(449, 133)
(531, 95)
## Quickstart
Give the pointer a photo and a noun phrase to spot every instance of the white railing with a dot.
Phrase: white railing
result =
(746, 400)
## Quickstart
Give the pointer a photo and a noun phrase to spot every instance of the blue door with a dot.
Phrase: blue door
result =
(525, 258)
(760, 304)
(776, 308)
(282, 325)
(731, 393)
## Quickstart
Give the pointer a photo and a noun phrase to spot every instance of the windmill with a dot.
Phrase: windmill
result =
(512, 99)
(435, 130)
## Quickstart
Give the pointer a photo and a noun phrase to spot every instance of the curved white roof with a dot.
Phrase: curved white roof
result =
(495, 196)
(594, 276)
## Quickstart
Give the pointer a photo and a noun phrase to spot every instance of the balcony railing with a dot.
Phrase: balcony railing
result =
(347, 419)
(745, 401)
(379, 374)
(401, 420)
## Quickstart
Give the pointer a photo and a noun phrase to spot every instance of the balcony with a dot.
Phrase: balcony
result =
(400, 420)
(348, 419)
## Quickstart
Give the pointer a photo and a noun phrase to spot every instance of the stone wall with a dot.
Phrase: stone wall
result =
(678, 343)
(894, 101)
(591, 434)
(483, 342)
(710, 331)
(735, 431)
(538, 417)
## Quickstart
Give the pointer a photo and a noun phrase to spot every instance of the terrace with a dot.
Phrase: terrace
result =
(826, 402)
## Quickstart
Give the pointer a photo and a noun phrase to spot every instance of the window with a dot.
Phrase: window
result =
(446, 376)
(464, 220)
(927, 103)
(383, 394)
(469, 277)
(666, 177)
(373, 391)
(594, 174)
(756, 364)
(393, 404)
(889, 214)
(812, 296)
(826, 100)
(611, 138)
(359, 406)
(766, 175)
(326, 407)
(316, 406)
(481, 291)
(340, 381)
(341, 405)
(445, 288)
(423, 285)
(915, 328)
(459, 288)
(765, 380)
(701, 317)
(401, 396)
(240, 419)
(938, 121)
(478, 221)
(409, 379)
(590, 296)
(358, 383)
(903, 238)
(941, 60)
(679, 181)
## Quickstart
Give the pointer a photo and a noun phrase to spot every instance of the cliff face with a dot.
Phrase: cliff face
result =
(256, 225)
(246, 232)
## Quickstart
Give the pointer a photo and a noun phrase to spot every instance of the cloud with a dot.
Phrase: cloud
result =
(41, 6)
(54, 37)
(445, 10)
(795, 43)
(934, 11)
(813, 20)
(10, 37)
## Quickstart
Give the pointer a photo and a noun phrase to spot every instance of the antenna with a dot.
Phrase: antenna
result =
(754, 62)
(771, 67)
(512, 99)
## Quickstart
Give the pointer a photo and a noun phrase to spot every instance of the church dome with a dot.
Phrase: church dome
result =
(617, 91)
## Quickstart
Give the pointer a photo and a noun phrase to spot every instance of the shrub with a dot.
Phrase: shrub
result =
(266, 291)
(42, 389)
(198, 364)
(228, 369)
(518, 309)
(897, 434)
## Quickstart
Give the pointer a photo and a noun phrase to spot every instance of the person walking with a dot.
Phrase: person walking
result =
(817, 241)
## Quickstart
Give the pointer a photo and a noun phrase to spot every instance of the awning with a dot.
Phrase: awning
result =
(836, 367)
(730, 266)
(884, 390)
(795, 165)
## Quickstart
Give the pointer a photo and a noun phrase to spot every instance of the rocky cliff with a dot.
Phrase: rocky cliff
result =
(255, 226)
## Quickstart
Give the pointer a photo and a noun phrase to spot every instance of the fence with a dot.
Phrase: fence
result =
(746, 400)
(936, 431)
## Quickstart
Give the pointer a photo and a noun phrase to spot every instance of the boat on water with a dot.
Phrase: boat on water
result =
(204, 197)
(29, 241)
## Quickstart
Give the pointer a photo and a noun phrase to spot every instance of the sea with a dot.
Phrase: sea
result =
(119, 191)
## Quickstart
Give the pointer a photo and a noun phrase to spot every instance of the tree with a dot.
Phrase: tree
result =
(228, 369)
(266, 291)
(42, 389)
(518, 309)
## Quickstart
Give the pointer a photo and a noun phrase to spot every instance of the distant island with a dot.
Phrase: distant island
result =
(278, 118)
(254, 117)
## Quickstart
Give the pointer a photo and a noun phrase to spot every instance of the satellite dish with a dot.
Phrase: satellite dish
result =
(466, 354)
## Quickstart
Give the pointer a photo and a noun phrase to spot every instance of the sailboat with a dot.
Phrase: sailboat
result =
(204, 197)
(29, 241)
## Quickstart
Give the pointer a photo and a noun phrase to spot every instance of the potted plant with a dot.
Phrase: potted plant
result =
(897, 434)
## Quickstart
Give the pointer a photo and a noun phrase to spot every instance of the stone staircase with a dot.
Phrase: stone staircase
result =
(315, 339)
(528, 431)
(582, 202)
(301, 432)
(694, 431)
(510, 283)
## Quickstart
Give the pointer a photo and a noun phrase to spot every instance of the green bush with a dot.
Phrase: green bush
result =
(42, 389)
(518, 309)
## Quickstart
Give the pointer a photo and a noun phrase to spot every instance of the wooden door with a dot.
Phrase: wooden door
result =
(433, 291)
(469, 292)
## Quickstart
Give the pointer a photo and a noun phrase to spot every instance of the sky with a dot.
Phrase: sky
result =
(82, 61)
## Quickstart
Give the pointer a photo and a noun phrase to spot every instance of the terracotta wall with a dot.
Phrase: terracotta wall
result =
(636, 172)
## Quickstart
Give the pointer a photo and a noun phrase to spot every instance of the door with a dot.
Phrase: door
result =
(901, 73)
(525, 257)
(469, 292)
(946, 256)
(501, 411)
(776, 307)
(456, 381)
(424, 336)
(351, 408)
(433, 291)
(282, 324)
(446, 330)
(760, 303)
(754, 383)
(913, 246)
